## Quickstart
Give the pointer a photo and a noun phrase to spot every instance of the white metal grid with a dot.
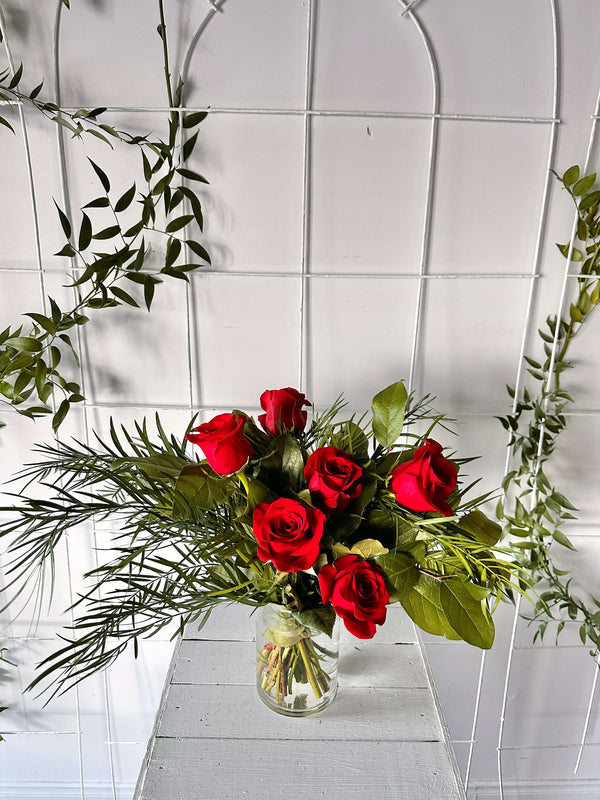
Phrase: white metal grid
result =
(305, 275)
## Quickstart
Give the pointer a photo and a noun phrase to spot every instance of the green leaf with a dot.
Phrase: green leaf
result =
(584, 185)
(191, 175)
(124, 296)
(423, 605)
(282, 467)
(571, 175)
(62, 412)
(108, 233)
(188, 147)
(16, 77)
(85, 233)
(24, 344)
(191, 120)
(179, 222)
(197, 248)
(481, 528)
(321, 618)
(388, 413)
(173, 250)
(165, 465)
(575, 313)
(7, 124)
(64, 221)
(101, 174)
(125, 200)
(464, 606)
(400, 571)
(588, 201)
(560, 537)
(351, 438)
(150, 282)
(198, 485)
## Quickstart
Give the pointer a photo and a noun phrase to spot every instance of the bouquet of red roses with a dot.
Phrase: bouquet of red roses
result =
(336, 519)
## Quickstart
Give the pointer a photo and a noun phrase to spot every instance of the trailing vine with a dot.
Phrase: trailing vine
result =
(539, 510)
(108, 245)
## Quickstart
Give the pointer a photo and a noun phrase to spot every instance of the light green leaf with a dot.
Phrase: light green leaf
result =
(483, 529)
(24, 344)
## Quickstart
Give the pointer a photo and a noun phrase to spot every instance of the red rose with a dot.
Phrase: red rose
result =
(284, 411)
(356, 589)
(333, 478)
(424, 482)
(288, 533)
(223, 443)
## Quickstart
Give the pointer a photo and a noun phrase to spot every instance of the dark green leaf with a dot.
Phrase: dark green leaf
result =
(197, 248)
(191, 120)
(101, 174)
(16, 77)
(125, 200)
(179, 222)
(7, 124)
(108, 233)
(191, 175)
(173, 250)
(99, 202)
(123, 295)
(188, 147)
(64, 221)
(85, 232)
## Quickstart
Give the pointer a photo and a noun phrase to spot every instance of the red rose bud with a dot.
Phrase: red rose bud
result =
(283, 411)
(333, 479)
(424, 482)
(356, 589)
(223, 443)
(288, 534)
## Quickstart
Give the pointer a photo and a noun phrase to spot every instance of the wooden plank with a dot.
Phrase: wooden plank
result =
(361, 664)
(233, 711)
(200, 769)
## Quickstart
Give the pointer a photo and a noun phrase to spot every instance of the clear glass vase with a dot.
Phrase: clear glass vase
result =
(297, 665)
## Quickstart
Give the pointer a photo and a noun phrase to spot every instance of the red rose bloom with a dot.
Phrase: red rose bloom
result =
(283, 411)
(357, 591)
(424, 482)
(333, 479)
(223, 443)
(288, 533)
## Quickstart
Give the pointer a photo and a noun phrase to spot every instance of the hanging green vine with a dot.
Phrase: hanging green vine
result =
(539, 510)
(108, 243)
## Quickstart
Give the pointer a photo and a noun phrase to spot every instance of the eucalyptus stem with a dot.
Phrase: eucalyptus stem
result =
(539, 509)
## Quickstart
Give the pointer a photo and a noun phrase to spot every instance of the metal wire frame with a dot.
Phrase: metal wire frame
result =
(306, 275)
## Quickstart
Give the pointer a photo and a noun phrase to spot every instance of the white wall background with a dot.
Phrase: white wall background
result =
(384, 214)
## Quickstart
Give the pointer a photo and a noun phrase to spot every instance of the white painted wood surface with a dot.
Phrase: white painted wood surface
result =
(384, 735)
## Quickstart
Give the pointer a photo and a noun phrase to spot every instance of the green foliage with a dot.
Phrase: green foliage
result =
(538, 510)
(105, 259)
(388, 414)
(183, 539)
